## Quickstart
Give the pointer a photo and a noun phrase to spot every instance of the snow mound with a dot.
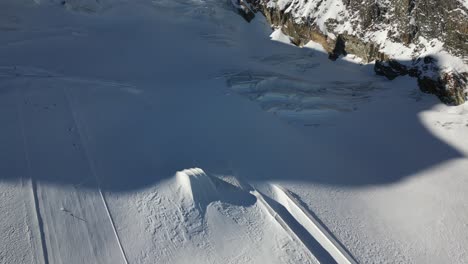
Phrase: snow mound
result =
(198, 186)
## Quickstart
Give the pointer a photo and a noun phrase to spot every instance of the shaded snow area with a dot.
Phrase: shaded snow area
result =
(175, 132)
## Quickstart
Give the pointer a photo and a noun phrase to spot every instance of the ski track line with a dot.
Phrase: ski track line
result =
(280, 221)
(40, 223)
(15, 71)
(83, 140)
(315, 228)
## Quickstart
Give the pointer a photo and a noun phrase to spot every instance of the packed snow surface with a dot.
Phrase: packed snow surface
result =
(172, 131)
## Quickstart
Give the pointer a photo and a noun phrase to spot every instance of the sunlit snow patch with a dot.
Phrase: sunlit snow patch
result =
(279, 36)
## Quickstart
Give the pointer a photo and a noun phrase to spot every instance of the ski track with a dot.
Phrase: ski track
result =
(31, 181)
(15, 72)
(64, 214)
(27, 74)
(83, 138)
(19, 227)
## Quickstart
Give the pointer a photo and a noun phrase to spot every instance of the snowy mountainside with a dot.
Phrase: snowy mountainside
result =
(424, 39)
(172, 131)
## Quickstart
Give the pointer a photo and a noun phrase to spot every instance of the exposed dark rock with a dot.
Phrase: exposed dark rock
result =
(244, 9)
(340, 48)
(385, 69)
(445, 87)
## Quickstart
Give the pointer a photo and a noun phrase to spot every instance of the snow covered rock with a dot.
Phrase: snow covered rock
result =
(244, 9)
(425, 39)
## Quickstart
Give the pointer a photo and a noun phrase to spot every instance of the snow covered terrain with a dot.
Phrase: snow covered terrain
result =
(422, 39)
(346, 19)
(172, 131)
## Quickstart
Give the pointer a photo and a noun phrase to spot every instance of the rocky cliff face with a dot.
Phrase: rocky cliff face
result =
(420, 38)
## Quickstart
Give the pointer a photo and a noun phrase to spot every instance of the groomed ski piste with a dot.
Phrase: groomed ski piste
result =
(176, 132)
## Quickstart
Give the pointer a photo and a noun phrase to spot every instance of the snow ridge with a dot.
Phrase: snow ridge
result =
(320, 233)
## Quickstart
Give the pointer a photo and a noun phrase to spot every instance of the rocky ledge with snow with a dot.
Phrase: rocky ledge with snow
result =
(423, 39)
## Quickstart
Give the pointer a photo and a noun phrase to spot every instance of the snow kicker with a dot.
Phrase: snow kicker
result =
(301, 225)
(198, 186)
(313, 226)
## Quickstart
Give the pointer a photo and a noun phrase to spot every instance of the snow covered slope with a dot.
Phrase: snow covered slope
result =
(152, 131)
(423, 39)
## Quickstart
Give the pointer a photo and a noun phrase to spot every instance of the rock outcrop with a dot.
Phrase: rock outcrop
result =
(423, 39)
